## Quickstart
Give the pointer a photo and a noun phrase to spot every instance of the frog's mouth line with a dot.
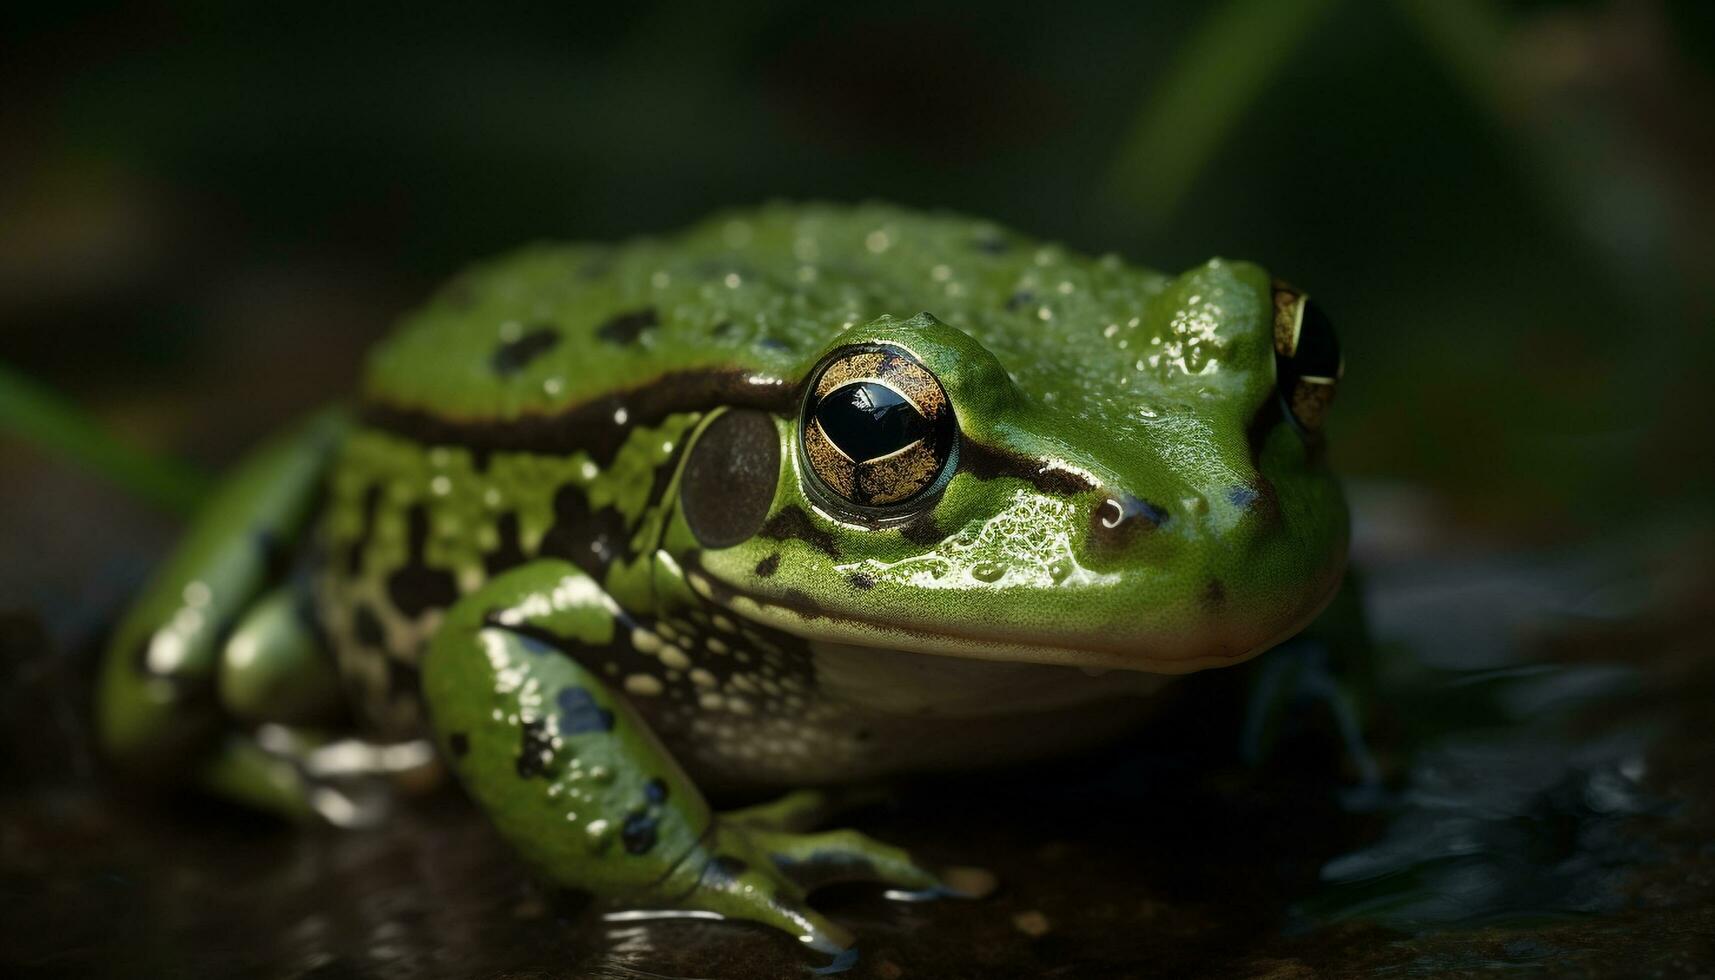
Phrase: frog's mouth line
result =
(1222, 644)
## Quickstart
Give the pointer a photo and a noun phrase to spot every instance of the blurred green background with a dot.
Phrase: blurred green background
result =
(211, 209)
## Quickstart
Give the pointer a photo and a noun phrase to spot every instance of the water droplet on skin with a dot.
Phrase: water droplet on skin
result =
(988, 572)
(1059, 569)
(598, 832)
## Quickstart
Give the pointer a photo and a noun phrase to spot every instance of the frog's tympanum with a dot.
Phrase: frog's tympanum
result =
(801, 497)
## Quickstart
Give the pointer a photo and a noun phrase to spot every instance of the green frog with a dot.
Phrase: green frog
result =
(802, 498)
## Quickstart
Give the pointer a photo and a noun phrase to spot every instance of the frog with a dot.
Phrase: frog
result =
(798, 500)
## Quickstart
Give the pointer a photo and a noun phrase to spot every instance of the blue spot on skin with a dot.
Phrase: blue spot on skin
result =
(638, 832)
(1241, 496)
(655, 791)
(580, 714)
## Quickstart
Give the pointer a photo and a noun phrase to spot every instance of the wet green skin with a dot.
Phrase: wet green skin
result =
(499, 533)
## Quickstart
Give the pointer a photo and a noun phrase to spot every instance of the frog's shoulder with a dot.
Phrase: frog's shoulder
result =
(748, 293)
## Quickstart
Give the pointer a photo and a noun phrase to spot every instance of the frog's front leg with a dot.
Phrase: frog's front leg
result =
(581, 787)
(182, 645)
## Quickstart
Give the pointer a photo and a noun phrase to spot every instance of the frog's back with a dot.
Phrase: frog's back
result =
(749, 293)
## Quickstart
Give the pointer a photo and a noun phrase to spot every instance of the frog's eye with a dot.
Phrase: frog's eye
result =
(1307, 357)
(877, 429)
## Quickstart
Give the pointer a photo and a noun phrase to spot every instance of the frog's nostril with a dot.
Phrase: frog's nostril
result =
(1119, 518)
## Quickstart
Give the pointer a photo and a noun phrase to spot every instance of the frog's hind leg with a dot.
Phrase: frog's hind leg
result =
(159, 700)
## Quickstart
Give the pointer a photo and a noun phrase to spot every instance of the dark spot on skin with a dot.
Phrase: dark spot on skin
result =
(589, 540)
(535, 750)
(416, 588)
(514, 356)
(989, 463)
(773, 343)
(1020, 299)
(802, 603)
(1118, 519)
(625, 328)
(589, 425)
(863, 735)
(580, 714)
(861, 580)
(721, 330)
(1265, 490)
(1060, 482)
(458, 743)
(768, 566)
(655, 791)
(1214, 595)
(638, 832)
(922, 531)
(366, 626)
(366, 530)
(723, 869)
(792, 524)
(403, 680)
(730, 478)
(508, 552)
(1258, 500)
(991, 245)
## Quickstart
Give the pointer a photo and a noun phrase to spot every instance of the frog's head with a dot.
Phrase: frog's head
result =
(1144, 492)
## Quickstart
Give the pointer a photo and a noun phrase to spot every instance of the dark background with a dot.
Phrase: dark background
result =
(209, 210)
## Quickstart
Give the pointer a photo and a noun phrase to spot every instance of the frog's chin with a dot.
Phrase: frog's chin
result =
(1215, 644)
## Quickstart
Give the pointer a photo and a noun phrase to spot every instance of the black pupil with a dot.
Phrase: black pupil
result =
(1318, 353)
(867, 420)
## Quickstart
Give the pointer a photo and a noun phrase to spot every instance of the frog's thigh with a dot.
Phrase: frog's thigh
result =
(274, 668)
(157, 700)
(568, 771)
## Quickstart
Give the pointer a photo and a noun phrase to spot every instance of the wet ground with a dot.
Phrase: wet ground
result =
(1542, 723)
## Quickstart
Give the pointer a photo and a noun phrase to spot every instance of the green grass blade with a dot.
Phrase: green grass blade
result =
(32, 412)
(1212, 80)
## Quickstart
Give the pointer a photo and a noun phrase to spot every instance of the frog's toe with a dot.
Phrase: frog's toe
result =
(755, 890)
(956, 882)
(805, 809)
(814, 860)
